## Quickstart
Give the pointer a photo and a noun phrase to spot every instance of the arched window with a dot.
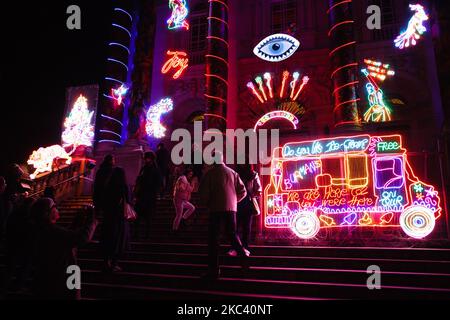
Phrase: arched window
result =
(283, 13)
(388, 20)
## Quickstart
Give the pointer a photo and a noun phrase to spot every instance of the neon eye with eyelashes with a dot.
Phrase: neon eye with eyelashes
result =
(277, 47)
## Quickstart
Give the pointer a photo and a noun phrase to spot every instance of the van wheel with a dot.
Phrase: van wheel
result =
(306, 225)
(417, 222)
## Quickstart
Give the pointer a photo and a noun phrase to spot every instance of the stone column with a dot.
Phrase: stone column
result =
(344, 65)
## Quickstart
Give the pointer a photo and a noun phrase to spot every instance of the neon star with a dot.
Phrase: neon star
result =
(419, 196)
(431, 193)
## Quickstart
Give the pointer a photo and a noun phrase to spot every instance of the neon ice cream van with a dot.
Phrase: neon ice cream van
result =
(357, 181)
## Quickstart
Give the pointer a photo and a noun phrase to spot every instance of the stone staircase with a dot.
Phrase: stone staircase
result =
(168, 266)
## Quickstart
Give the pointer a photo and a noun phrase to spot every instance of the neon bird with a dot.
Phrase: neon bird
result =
(180, 12)
(119, 93)
(415, 28)
(153, 127)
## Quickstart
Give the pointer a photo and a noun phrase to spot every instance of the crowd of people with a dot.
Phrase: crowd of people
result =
(38, 248)
(230, 196)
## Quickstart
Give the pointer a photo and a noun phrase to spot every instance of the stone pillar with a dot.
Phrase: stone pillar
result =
(110, 118)
(344, 65)
(217, 65)
(142, 74)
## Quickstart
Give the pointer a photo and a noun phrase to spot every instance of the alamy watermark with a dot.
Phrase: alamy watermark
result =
(74, 280)
(236, 146)
(73, 22)
(374, 280)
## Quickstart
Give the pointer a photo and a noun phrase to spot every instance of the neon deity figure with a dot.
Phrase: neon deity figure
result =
(378, 111)
(355, 181)
(42, 159)
(415, 28)
(178, 60)
(180, 12)
(119, 93)
(154, 127)
(79, 130)
(277, 47)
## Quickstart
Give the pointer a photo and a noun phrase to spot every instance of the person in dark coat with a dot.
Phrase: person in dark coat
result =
(19, 245)
(163, 163)
(55, 250)
(115, 228)
(101, 178)
(4, 207)
(245, 213)
(148, 184)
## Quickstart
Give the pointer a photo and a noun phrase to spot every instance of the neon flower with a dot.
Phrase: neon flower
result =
(178, 60)
(295, 77)
(305, 81)
(418, 188)
(154, 128)
(268, 78)
(415, 28)
(378, 111)
(43, 158)
(119, 93)
(251, 86)
(283, 84)
(79, 130)
(180, 12)
(260, 83)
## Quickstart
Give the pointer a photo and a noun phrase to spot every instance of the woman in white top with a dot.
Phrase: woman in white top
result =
(181, 196)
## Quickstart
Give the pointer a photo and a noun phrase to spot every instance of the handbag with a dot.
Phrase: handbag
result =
(255, 207)
(128, 211)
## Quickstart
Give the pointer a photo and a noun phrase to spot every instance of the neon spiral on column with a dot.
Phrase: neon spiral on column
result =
(344, 80)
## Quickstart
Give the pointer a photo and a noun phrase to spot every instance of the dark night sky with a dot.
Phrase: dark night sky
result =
(40, 58)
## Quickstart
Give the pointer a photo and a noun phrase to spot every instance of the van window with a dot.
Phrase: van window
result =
(357, 171)
(335, 168)
(388, 173)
